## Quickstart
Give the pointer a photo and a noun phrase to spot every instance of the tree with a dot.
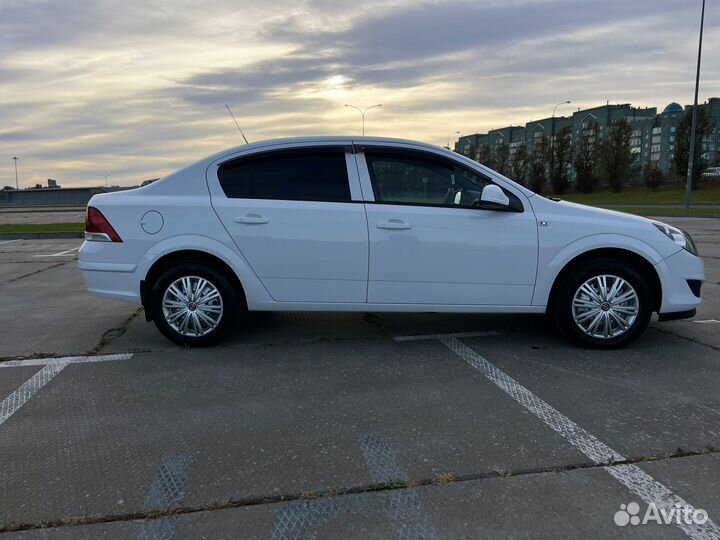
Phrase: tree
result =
(538, 170)
(682, 148)
(519, 164)
(653, 176)
(585, 158)
(614, 155)
(484, 155)
(561, 160)
(470, 151)
(501, 158)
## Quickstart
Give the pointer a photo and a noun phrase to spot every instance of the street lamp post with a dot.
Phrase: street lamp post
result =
(448, 141)
(17, 185)
(561, 103)
(552, 131)
(363, 112)
(693, 128)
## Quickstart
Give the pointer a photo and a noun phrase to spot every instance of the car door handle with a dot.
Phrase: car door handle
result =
(394, 224)
(255, 219)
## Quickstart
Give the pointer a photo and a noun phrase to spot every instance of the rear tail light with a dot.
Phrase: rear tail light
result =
(98, 228)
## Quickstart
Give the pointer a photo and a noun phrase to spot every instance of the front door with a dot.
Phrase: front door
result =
(431, 244)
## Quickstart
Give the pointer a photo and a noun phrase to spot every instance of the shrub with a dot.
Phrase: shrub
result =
(653, 177)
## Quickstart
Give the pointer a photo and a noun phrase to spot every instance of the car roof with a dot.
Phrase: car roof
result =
(301, 141)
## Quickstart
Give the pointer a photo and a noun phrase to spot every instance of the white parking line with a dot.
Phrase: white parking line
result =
(403, 506)
(707, 321)
(632, 477)
(51, 367)
(303, 518)
(28, 389)
(8, 241)
(440, 336)
(66, 360)
(167, 492)
(60, 254)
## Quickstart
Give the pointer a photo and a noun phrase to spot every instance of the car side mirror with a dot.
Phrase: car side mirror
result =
(493, 195)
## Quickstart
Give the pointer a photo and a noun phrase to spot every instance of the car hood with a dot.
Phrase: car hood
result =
(583, 210)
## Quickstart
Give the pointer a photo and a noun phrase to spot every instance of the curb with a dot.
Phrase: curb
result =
(40, 235)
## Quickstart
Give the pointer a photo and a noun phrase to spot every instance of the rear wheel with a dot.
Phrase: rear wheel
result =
(602, 304)
(194, 304)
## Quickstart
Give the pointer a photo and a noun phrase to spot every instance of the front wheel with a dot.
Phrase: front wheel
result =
(194, 304)
(602, 304)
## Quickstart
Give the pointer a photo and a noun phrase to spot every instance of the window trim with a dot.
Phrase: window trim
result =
(339, 149)
(515, 206)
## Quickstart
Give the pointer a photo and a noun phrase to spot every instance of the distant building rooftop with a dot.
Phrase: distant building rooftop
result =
(674, 107)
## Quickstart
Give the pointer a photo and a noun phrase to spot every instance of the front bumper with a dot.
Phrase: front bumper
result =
(675, 315)
(679, 276)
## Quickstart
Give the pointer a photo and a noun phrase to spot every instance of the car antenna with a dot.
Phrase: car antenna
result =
(236, 123)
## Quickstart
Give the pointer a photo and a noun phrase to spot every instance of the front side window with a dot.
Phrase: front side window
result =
(405, 178)
(297, 175)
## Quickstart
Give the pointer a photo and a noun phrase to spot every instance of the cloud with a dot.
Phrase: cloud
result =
(424, 30)
(137, 88)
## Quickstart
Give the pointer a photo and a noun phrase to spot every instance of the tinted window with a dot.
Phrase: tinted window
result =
(416, 179)
(315, 175)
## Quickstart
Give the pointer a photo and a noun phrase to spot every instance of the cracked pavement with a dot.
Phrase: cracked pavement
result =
(320, 425)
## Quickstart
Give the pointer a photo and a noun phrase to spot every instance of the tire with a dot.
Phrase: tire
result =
(580, 311)
(186, 319)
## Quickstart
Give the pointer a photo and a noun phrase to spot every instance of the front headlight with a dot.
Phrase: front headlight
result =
(680, 237)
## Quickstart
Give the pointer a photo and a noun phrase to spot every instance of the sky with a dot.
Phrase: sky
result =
(136, 89)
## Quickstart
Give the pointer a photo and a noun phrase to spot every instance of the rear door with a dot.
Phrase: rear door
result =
(292, 216)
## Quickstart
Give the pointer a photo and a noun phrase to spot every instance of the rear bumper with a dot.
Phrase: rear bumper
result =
(123, 286)
(109, 279)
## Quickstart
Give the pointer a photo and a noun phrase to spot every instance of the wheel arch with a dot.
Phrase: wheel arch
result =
(184, 255)
(620, 254)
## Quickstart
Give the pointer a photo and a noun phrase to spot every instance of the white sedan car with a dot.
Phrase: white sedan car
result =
(380, 225)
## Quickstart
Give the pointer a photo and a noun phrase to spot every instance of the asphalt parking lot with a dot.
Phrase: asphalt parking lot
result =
(305, 425)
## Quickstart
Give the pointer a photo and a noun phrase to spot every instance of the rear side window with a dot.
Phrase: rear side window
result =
(307, 175)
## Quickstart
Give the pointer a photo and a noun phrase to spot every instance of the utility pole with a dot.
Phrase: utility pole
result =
(17, 185)
(693, 128)
(106, 177)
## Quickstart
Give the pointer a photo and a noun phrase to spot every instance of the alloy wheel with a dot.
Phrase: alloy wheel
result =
(192, 306)
(605, 306)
